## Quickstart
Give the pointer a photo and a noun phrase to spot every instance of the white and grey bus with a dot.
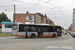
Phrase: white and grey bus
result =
(30, 30)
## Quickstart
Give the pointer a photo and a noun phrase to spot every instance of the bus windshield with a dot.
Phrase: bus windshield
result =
(59, 30)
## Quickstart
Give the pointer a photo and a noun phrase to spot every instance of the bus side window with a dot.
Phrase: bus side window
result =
(26, 28)
(46, 29)
(33, 29)
(38, 29)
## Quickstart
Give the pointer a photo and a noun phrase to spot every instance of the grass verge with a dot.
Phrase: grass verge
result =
(5, 34)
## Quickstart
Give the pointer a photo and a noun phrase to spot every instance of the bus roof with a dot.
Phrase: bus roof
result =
(41, 25)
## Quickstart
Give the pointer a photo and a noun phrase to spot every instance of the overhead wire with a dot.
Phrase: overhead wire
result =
(42, 6)
(36, 5)
(55, 6)
(33, 4)
(6, 5)
(58, 7)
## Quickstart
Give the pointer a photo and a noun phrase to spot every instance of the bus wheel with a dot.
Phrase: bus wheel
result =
(54, 35)
(33, 35)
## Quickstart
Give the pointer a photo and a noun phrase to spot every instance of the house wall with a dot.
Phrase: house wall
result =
(20, 17)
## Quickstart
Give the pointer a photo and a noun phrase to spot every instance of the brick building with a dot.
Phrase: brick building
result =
(73, 24)
(28, 18)
(31, 18)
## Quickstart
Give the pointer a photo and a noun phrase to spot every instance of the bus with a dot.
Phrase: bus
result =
(36, 31)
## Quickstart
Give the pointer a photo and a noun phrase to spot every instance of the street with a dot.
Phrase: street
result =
(66, 42)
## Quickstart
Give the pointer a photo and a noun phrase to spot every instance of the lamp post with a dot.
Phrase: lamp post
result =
(14, 13)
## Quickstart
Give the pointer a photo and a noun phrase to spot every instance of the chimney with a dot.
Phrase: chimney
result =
(45, 14)
(27, 12)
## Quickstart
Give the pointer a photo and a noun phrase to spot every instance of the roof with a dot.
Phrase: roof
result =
(40, 14)
(7, 22)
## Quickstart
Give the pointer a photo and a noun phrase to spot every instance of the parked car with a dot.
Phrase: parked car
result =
(70, 32)
(73, 34)
(65, 32)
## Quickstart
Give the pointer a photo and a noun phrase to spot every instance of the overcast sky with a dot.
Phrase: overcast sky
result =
(59, 11)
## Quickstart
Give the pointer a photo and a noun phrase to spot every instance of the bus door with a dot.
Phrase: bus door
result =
(40, 32)
(26, 30)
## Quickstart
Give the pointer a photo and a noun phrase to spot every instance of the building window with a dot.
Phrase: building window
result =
(37, 18)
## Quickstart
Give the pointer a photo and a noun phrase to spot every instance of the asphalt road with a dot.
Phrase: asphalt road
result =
(66, 42)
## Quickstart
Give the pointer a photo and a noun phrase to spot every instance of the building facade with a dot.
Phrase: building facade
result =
(70, 28)
(28, 18)
(43, 18)
(38, 19)
(31, 18)
(73, 26)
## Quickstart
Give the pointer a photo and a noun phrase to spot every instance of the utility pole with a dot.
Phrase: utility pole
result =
(14, 13)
